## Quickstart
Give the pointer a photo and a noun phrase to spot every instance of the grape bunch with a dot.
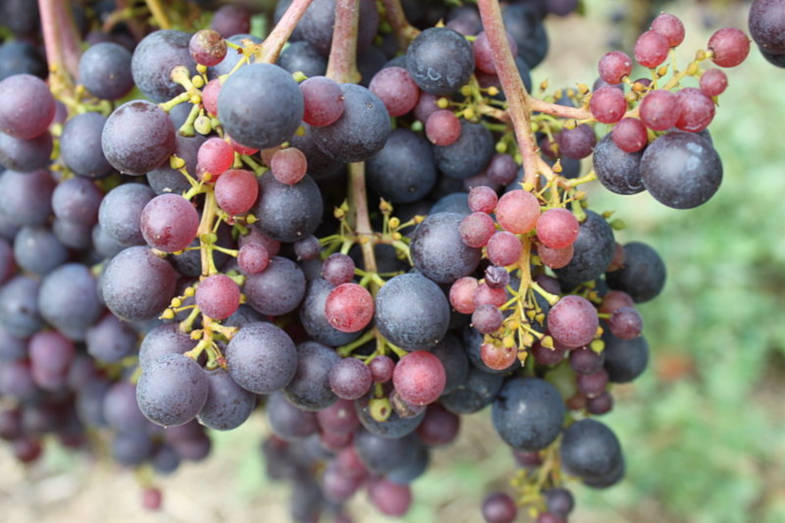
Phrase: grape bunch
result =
(364, 225)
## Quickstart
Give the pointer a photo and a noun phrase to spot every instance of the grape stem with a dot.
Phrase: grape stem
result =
(53, 45)
(159, 14)
(562, 111)
(359, 202)
(69, 37)
(275, 41)
(512, 85)
(404, 31)
(342, 64)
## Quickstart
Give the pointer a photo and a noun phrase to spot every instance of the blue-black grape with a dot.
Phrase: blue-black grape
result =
(25, 155)
(89, 402)
(766, 22)
(453, 357)
(77, 199)
(394, 427)
(438, 251)
(137, 137)
(590, 449)
(528, 413)
(73, 235)
(131, 448)
(110, 340)
(360, 132)
(228, 405)
(260, 105)
(288, 421)
(440, 60)
(288, 213)
(303, 57)
(643, 274)
(19, 314)
(474, 394)
(171, 390)
(27, 197)
(469, 154)
(68, 299)
(415, 466)
(310, 387)
(17, 57)
(454, 203)
(137, 284)
(120, 409)
(12, 348)
(617, 170)
(404, 170)
(524, 24)
(316, 26)
(120, 211)
(27, 107)
(105, 70)
(625, 360)
(681, 170)
(382, 455)
(164, 179)
(313, 317)
(261, 358)
(593, 251)
(276, 290)
(163, 339)
(80, 145)
(559, 501)
(320, 165)
(165, 459)
(37, 250)
(153, 60)
(105, 245)
(412, 312)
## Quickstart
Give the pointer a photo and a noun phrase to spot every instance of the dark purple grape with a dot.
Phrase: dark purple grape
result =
(524, 24)
(261, 358)
(165, 459)
(105, 71)
(37, 250)
(27, 107)
(153, 60)
(618, 171)
(11, 347)
(89, 402)
(395, 426)
(382, 455)
(499, 508)
(18, 304)
(172, 390)
(17, 57)
(80, 145)
(467, 156)
(625, 360)
(68, 299)
(440, 60)
(316, 26)
(559, 501)
(131, 448)
(230, 20)
(77, 200)
(360, 132)
(412, 312)
(163, 339)
(586, 361)
(681, 170)
(120, 409)
(643, 274)
(120, 211)
(350, 378)
(277, 290)
(474, 394)
(228, 405)
(404, 170)
(105, 245)
(74, 235)
(309, 389)
(260, 118)
(25, 155)
(593, 251)
(110, 340)
(137, 137)
(288, 212)
(528, 413)
(27, 197)
(453, 358)
(590, 450)
(438, 251)
(288, 421)
(303, 57)
(137, 284)
(164, 179)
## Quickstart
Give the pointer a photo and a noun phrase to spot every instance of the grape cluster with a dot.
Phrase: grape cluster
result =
(206, 239)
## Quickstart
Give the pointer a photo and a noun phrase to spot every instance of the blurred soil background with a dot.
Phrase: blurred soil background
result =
(704, 428)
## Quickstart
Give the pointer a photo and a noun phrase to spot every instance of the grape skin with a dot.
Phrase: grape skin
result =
(468, 155)
(278, 289)
(593, 251)
(105, 71)
(404, 170)
(172, 390)
(438, 251)
(288, 213)
(260, 118)
(261, 358)
(618, 171)
(314, 320)
(310, 387)
(228, 405)
(643, 274)
(68, 299)
(153, 60)
(412, 312)
(137, 137)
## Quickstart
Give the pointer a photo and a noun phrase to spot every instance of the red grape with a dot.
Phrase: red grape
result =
(419, 378)
(713, 82)
(289, 165)
(517, 211)
(484, 294)
(253, 258)
(651, 49)
(696, 110)
(659, 110)
(169, 222)
(442, 127)
(381, 368)
(557, 228)
(396, 89)
(608, 104)
(476, 229)
(630, 135)
(573, 321)
(462, 294)
(218, 296)
(486, 319)
(730, 46)
(504, 248)
(614, 66)
(482, 199)
(483, 58)
(555, 258)
(625, 323)
(214, 156)
(323, 101)
(207, 47)
(349, 307)
(210, 96)
(670, 27)
(236, 191)
(338, 268)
